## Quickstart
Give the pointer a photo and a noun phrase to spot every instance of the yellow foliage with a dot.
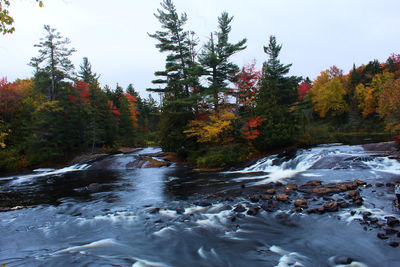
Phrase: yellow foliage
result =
(367, 96)
(49, 107)
(214, 130)
(327, 95)
(389, 105)
(366, 99)
(3, 135)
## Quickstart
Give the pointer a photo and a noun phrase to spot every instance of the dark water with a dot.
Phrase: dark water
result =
(175, 217)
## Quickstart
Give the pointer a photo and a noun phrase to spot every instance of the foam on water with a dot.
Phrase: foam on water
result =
(278, 168)
(288, 258)
(96, 244)
(73, 168)
(375, 213)
(164, 230)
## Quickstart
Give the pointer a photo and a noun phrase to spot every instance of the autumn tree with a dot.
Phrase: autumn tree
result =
(368, 95)
(216, 60)
(389, 105)
(246, 87)
(303, 88)
(53, 54)
(6, 20)
(212, 128)
(328, 94)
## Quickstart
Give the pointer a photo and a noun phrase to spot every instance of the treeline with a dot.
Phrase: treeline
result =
(58, 113)
(215, 114)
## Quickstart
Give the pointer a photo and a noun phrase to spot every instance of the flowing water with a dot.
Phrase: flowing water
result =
(172, 216)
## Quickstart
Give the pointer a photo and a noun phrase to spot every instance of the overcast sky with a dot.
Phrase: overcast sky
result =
(315, 34)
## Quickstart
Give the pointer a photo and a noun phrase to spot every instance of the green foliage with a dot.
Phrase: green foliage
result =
(216, 157)
(277, 92)
(216, 60)
(54, 54)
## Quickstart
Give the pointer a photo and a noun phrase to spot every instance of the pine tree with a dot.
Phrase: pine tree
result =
(276, 93)
(86, 73)
(54, 54)
(179, 77)
(215, 59)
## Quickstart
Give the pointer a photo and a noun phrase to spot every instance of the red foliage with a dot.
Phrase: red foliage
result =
(113, 108)
(303, 89)
(395, 58)
(246, 85)
(82, 90)
(10, 97)
(250, 131)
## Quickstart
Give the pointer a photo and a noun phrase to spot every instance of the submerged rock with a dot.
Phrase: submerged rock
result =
(382, 236)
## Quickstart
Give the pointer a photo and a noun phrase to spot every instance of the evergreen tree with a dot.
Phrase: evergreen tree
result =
(54, 54)
(276, 93)
(86, 73)
(178, 77)
(215, 59)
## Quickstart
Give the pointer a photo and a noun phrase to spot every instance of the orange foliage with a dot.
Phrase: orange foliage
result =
(250, 131)
(132, 108)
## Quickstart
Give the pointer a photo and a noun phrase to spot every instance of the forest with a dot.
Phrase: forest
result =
(212, 112)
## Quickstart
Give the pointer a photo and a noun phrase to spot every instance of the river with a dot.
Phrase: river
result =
(173, 216)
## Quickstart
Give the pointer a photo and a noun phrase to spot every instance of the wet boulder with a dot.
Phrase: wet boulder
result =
(331, 206)
(382, 236)
(392, 221)
(390, 231)
(394, 244)
(291, 187)
(254, 198)
(282, 197)
(341, 260)
(270, 191)
(239, 208)
(266, 197)
(300, 203)
(253, 211)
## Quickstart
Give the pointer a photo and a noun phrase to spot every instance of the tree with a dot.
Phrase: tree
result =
(54, 54)
(389, 105)
(277, 92)
(303, 88)
(179, 77)
(215, 59)
(212, 128)
(368, 96)
(6, 20)
(246, 86)
(173, 40)
(328, 94)
(86, 73)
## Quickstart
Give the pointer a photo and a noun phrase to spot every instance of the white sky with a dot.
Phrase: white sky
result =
(113, 34)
